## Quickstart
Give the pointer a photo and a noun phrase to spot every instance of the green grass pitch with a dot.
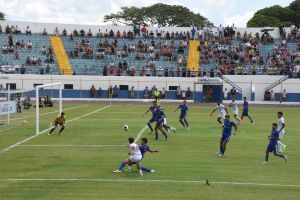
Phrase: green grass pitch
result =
(75, 166)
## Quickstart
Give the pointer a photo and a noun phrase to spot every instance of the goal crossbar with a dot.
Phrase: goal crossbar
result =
(37, 108)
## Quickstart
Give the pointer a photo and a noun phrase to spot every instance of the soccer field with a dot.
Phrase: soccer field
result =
(78, 164)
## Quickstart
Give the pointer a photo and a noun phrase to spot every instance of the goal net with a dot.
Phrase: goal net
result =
(12, 107)
(48, 105)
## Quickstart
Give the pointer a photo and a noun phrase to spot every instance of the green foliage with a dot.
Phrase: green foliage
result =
(276, 16)
(2, 15)
(157, 14)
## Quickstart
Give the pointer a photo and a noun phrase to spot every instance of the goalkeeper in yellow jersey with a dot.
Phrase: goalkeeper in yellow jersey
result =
(60, 120)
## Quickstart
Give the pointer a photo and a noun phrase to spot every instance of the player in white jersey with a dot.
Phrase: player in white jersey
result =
(235, 109)
(281, 132)
(135, 157)
(222, 112)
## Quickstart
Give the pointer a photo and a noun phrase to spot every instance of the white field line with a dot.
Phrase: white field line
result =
(10, 127)
(71, 145)
(149, 181)
(20, 118)
(27, 139)
(140, 134)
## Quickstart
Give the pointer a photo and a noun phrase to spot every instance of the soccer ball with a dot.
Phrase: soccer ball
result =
(125, 127)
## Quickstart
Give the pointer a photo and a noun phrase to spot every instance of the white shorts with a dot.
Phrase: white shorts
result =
(135, 158)
(281, 134)
(222, 115)
(236, 112)
(165, 121)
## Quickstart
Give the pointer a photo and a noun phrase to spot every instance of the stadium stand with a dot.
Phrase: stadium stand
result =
(200, 52)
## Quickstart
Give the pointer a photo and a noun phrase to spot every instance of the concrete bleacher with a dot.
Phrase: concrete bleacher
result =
(95, 66)
(38, 41)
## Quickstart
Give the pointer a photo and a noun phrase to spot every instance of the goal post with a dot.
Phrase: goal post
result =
(37, 102)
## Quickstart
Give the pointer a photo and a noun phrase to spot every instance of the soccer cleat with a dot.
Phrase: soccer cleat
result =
(117, 171)
(265, 162)
(285, 158)
(49, 134)
(173, 129)
(188, 128)
(152, 171)
(220, 155)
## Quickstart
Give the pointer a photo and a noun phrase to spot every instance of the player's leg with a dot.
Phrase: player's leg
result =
(165, 125)
(139, 167)
(145, 169)
(280, 146)
(186, 122)
(267, 156)
(219, 120)
(181, 121)
(54, 127)
(62, 128)
(122, 165)
(221, 147)
(224, 146)
(237, 118)
(160, 127)
(250, 118)
(156, 132)
(281, 155)
(149, 124)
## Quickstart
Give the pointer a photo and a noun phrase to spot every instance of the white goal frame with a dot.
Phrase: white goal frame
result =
(37, 108)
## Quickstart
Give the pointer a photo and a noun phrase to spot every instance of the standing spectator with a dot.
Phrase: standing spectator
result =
(188, 93)
(116, 92)
(110, 92)
(100, 92)
(92, 91)
(131, 93)
(272, 94)
(210, 94)
(232, 93)
(283, 96)
(163, 93)
(183, 94)
(297, 69)
(146, 93)
(225, 94)
(178, 92)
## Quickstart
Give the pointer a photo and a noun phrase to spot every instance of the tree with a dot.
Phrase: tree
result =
(2, 16)
(276, 16)
(157, 14)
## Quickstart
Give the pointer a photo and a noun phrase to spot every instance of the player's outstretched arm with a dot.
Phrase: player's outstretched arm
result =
(146, 112)
(176, 108)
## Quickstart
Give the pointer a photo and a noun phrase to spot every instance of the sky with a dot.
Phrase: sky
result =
(223, 12)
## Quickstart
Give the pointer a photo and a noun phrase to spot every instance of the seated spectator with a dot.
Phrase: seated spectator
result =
(7, 29)
(118, 34)
(43, 50)
(16, 56)
(104, 73)
(82, 33)
(34, 60)
(29, 45)
(28, 62)
(28, 31)
(18, 31)
(99, 34)
(48, 69)
(111, 33)
(75, 32)
(64, 33)
(44, 32)
(1, 29)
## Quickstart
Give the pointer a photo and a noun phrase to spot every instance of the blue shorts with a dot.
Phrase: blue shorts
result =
(271, 148)
(151, 120)
(182, 117)
(225, 138)
(159, 122)
(245, 112)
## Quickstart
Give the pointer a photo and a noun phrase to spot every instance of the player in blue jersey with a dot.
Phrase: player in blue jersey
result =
(273, 138)
(183, 110)
(246, 110)
(226, 134)
(151, 109)
(159, 118)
